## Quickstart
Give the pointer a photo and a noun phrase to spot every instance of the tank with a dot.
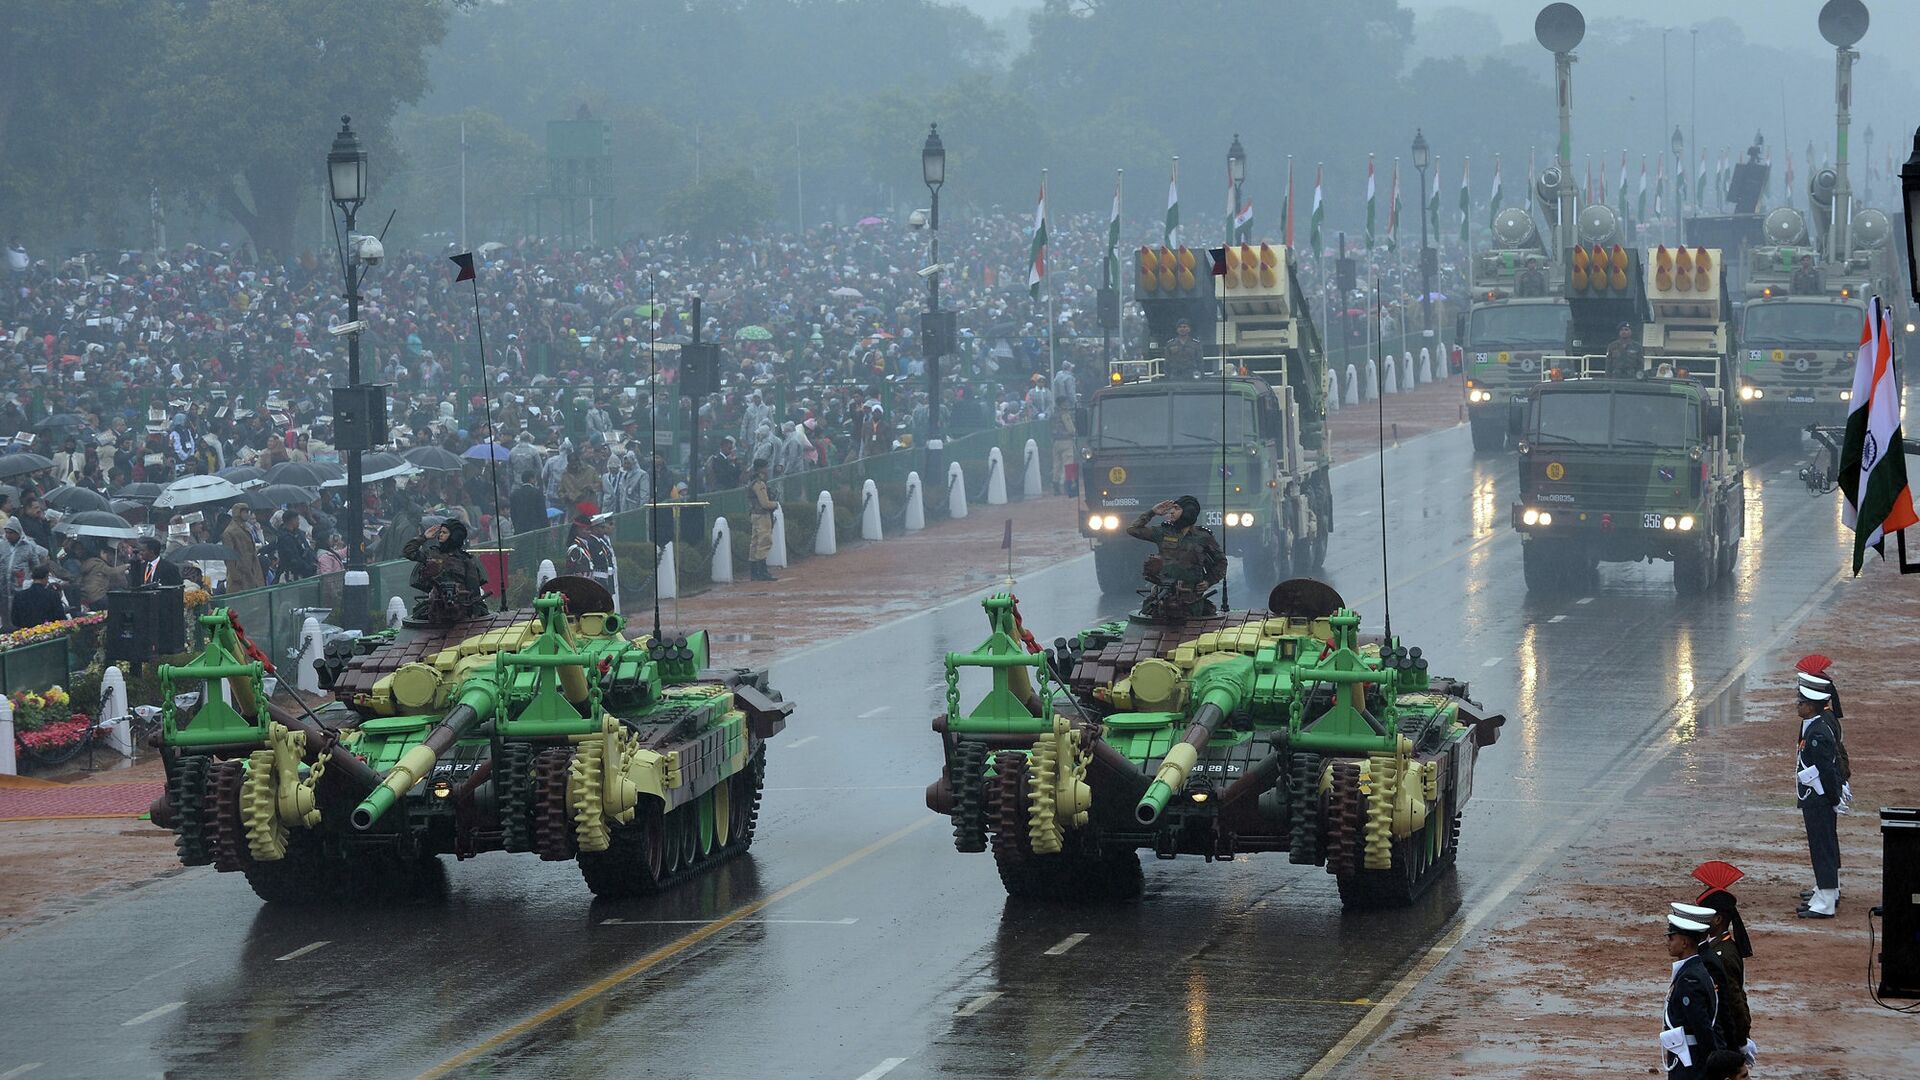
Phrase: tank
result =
(544, 731)
(1276, 730)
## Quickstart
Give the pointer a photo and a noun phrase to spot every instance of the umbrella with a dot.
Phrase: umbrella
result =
(646, 310)
(491, 246)
(381, 466)
(433, 458)
(60, 422)
(144, 492)
(201, 553)
(486, 451)
(303, 473)
(196, 491)
(871, 220)
(10, 491)
(745, 333)
(98, 523)
(243, 476)
(69, 499)
(127, 506)
(847, 293)
(20, 464)
(279, 495)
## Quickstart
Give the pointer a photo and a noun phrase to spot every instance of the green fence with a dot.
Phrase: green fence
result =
(38, 666)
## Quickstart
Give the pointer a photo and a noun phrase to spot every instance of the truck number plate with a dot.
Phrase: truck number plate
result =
(1212, 517)
(1649, 521)
(1800, 398)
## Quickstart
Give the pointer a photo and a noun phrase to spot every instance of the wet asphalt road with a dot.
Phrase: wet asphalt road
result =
(853, 942)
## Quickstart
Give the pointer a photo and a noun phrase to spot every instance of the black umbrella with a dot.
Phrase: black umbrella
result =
(304, 473)
(61, 422)
(69, 499)
(20, 464)
(243, 476)
(201, 553)
(434, 459)
(274, 495)
(98, 523)
(142, 492)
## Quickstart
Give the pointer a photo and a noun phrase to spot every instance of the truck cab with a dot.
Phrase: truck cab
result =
(1517, 314)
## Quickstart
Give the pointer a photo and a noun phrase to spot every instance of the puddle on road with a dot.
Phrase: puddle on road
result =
(1692, 718)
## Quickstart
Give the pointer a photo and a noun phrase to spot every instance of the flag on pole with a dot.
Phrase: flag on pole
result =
(1660, 187)
(1602, 200)
(1113, 236)
(1789, 180)
(1679, 181)
(1243, 223)
(1641, 213)
(1433, 203)
(1318, 214)
(1233, 204)
(1493, 197)
(1287, 218)
(1393, 209)
(464, 261)
(1369, 202)
(1172, 233)
(1037, 254)
(1873, 464)
(1589, 195)
(1528, 193)
(1700, 181)
(1622, 196)
(1466, 198)
(1720, 176)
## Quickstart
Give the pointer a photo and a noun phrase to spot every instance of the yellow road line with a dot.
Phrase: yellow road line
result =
(660, 955)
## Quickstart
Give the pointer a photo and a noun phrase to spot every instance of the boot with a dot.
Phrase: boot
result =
(1821, 905)
(757, 571)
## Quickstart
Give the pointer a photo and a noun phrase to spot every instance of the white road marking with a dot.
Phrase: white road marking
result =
(870, 713)
(1584, 600)
(1067, 943)
(21, 1070)
(703, 922)
(968, 1009)
(1558, 618)
(798, 743)
(1493, 661)
(882, 1069)
(152, 1013)
(304, 950)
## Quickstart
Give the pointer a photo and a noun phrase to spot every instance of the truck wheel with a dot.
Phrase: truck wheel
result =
(1488, 435)
(1116, 568)
(1549, 566)
(1693, 569)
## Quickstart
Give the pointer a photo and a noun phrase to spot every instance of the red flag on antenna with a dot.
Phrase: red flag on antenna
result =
(464, 261)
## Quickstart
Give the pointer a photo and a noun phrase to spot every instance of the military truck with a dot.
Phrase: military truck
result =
(1800, 325)
(1646, 462)
(1251, 445)
(1505, 332)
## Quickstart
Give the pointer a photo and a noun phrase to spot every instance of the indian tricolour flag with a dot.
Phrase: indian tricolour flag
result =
(1493, 197)
(1369, 202)
(1642, 212)
(1113, 236)
(1319, 213)
(1172, 233)
(1466, 199)
(1873, 463)
(1037, 253)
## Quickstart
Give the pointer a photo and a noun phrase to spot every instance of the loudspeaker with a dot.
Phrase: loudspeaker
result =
(939, 335)
(1346, 275)
(1900, 901)
(360, 417)
(1108, 302)
(699, 369)
(145, 623)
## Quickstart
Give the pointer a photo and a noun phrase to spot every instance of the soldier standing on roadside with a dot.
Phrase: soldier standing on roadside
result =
(1817, 785)
(760, 507)
(1687, 1033)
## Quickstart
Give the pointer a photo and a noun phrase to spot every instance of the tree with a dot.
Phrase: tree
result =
(719, 205)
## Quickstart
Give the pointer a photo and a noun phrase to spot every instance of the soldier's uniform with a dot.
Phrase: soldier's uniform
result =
(1185, 358)
(1533, 282)
(1624, 359)
(760, 507)
(1806, 281)
(1187, 561)
(1688, 1033)
(1817, 786)
(1726, 955)
(453, 580)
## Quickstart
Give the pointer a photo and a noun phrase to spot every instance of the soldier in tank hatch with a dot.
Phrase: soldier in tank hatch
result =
(1187, 562)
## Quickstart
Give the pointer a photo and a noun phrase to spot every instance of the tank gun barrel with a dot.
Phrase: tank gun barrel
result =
(1220, 687)
(475, 703)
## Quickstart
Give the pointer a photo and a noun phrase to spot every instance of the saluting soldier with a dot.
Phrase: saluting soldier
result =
(1687, 1032)
(760, 507)
(1817, 786)
(1184, 356)
(1188, 561)
(453, 580)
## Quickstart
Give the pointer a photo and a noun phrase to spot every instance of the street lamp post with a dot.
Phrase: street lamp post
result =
(1910, 200)
(936, 333)
(1422, 157)
(1679, 143)
(353, 415)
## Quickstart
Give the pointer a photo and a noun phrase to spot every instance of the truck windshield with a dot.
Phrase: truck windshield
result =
(1622, 418)
(1827, 326)
(1519, 326)
(1172, 419)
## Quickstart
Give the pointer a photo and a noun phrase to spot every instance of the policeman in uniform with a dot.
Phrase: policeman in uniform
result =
(1687, 1031)
(760, 507)
(453, 581)
(1818, 783)
(1726, 951)
(1623, 355)
(1187, 562)
(1806, 279)
(1184, 357)
(1533, 280)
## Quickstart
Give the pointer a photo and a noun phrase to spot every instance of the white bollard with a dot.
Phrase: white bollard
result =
(824, 541)
(1033, 484)
(397, 611)
(778, 555)
(1390, 384)
(721, 554)
(543, 575)
(1330, 391)
(666, 582)
(1352, 395)
(1370, 389)
(8, 766)
(305, 678)
(120, 736)
(956, 491)
(113, 695)
(916, 509)
(1434, 373)
(1406, 371)
(996, 478)
(870, 511)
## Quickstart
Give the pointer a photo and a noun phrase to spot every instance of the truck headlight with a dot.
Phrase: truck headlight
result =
(1530, 516)
(1093, 522)
(1669, 523)
(1747, 394)
(1546, 518)
(1686, 523)
(1110, 523)
(1847, 395)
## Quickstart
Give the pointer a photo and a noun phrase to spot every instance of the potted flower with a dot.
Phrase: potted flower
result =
(46, 730)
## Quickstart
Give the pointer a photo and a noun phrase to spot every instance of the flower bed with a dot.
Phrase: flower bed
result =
(42, 632)
(45, 727)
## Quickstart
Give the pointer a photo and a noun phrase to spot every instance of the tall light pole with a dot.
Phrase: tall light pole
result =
(1679, 143)
(936, 331)
(359, 412)
(1422, 157)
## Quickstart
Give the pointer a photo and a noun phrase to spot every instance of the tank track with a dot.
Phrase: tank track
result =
(552, 816)
(1346, 820)
(187, 791)
(1078, 872)
(513, 780)
(746, 805)
(969, 796)
(1303, 782)
(622, 869)
(226, 833)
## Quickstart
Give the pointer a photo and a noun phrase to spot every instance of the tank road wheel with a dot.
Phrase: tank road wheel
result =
(722, 796)
(966, 776)
(1414, 870)
(187, 791)
(748, 783)
(1121, 876)
(552, 816)
(633, 863)
(672, 850)
(513, 780)
(690, 852)
(706, 823)
(1117, 568)
(226, 832)
(301, 876)
(1303, 786)
(1693, 569)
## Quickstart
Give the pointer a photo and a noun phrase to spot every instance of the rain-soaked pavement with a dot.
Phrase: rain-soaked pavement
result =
(853, 942)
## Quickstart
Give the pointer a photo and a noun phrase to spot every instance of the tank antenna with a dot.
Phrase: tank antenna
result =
(653, 470)
(1220, 329)
(1380, 400)
(493, 437)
